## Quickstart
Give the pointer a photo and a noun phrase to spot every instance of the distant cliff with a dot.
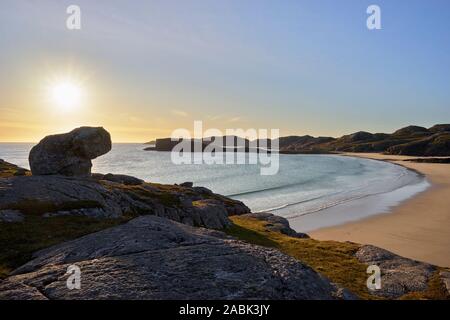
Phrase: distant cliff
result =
(411, 140)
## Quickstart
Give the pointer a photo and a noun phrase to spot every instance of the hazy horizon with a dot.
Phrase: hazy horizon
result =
(144, 68)
(168, 136)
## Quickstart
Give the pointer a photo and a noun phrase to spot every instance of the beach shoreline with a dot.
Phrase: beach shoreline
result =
(417, 228)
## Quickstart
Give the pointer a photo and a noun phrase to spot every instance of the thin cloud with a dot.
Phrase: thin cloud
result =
(179, 113)
(212, 118)
(235, 119)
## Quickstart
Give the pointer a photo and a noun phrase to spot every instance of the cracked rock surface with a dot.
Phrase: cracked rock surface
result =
(399, 275)
(57, 195)
(155, 258)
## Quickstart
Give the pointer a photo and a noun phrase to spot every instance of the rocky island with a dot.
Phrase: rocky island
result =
(141, 240)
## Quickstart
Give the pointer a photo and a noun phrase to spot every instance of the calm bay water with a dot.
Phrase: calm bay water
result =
(306, 189)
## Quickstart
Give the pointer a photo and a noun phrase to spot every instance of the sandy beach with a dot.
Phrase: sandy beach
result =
(418, 228)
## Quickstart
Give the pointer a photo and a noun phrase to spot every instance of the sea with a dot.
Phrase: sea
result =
(311, 191)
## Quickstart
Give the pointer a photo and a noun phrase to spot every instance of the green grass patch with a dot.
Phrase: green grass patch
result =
(166, 196)
(18, 241)
(250, 236)
(9, 170)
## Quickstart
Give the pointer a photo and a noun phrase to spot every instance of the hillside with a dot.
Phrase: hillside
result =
(411, 141)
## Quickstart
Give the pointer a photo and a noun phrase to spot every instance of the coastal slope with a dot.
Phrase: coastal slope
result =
(133, 239)
(419, 228)
(254, 256)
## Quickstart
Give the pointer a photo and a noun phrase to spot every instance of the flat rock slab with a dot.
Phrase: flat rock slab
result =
(38, 195)
(155, 258)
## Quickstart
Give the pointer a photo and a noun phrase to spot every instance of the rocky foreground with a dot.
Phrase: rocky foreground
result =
(169, 241)
(155, 258)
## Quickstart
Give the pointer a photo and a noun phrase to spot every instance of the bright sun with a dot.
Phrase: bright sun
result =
(66, 95)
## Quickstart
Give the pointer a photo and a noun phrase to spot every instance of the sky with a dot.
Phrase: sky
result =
(142, 69)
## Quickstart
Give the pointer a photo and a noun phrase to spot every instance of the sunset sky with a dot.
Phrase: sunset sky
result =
(144, 68)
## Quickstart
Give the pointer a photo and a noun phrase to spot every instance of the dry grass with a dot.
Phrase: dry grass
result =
(435, 291)
(9, 170)
(330, 258)
(19, 240)
(333, 259)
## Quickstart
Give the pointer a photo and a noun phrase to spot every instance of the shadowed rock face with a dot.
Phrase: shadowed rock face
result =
(155, 258)
(69, 154)
(57, 195)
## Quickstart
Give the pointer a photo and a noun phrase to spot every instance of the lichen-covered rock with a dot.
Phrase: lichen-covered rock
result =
(187, 184)
(99, 197)
(39, 195)
(202, 190)
(119, 178)
(19, 291)
(276, 224)
(69, 154)
(399, 275)
(208, 212)
(445, 278)
(155, 258)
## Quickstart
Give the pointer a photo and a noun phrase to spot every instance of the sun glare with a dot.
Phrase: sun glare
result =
(66, 95)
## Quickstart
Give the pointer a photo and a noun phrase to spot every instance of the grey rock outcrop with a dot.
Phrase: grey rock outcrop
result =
(187, 184)
(155, 258)
(119, 178)
(399, 275)
(208, 212)
(69, 154)
(276, 224)
(40, 195)
(445, 278)
(57, 195)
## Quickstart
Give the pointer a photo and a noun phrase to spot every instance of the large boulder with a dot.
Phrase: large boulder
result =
(69, 154)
